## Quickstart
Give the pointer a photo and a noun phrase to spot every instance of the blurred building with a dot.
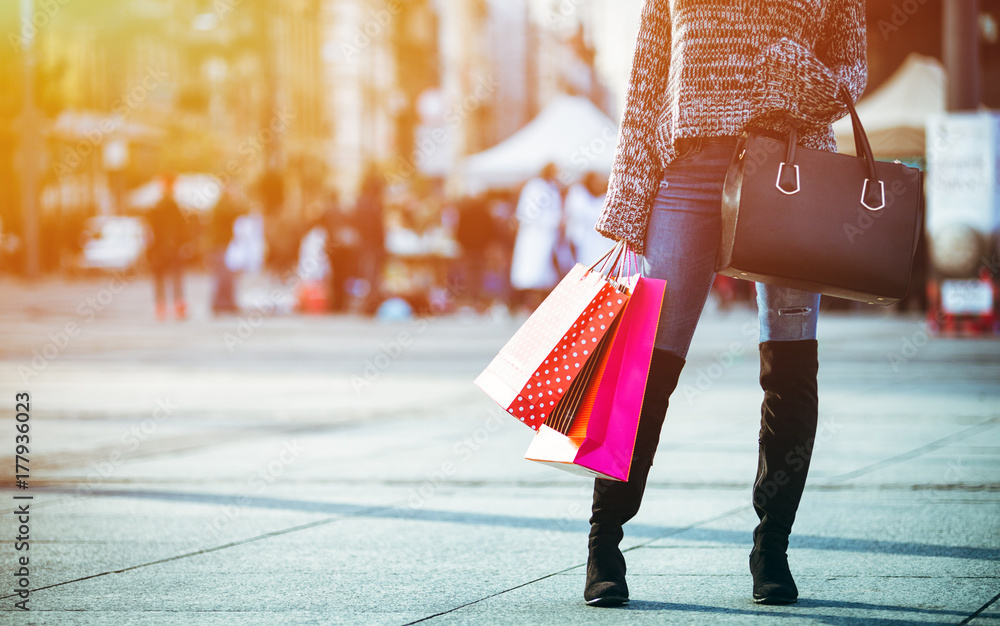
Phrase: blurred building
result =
(10, 111)
(615, 24)
(508, 36)
(566, 35)
(359, 84)
(288, 97)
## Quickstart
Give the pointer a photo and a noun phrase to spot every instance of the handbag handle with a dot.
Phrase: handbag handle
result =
(873, 193)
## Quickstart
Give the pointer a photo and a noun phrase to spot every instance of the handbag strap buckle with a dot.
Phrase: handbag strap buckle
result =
(778, 183)
(864, 196)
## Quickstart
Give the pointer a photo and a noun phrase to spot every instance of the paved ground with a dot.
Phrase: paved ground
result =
(273, 469)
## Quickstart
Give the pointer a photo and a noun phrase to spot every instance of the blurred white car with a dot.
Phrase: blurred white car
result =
(112, 243)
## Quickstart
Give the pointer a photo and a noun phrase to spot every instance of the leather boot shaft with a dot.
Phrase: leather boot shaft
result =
(789, 415)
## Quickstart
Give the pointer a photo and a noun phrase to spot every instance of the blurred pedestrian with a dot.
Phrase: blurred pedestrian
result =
(584, 202)
(10, 243)
(313, 269)
(246, 251)
(474, 233)
(342, 241)
(704, 73)
(369, 217)
(164, 253)
(533, 270)
(230, 206)
(502, 205)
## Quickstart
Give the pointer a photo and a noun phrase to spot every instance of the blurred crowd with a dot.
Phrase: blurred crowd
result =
(394, 249)
(412, 249)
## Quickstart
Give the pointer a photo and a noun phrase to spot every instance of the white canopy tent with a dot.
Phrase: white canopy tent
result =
(570, 132)
(75, 125)
(192, 192)
(895, 114)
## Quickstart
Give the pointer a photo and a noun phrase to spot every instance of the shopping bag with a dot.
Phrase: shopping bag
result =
(594, 429)
(535, 369)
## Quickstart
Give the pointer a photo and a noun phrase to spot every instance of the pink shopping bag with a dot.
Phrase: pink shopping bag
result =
(599, 438)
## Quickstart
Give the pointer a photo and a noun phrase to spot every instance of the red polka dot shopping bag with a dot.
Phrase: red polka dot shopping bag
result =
(540, 363)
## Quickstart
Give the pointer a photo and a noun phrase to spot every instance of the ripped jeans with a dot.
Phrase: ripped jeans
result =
(682, 239)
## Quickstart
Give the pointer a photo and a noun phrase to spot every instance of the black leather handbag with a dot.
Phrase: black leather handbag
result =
(828, 223)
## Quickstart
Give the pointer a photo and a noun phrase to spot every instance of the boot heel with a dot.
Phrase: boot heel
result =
(605, 568)
(772, 579)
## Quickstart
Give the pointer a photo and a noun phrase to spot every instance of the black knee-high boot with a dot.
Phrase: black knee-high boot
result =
(616, 502)
(787, 432)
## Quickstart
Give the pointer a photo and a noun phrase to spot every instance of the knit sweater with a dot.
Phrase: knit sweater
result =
(717, 67)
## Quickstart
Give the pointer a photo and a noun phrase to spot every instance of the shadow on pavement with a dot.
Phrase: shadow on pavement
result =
(804, 603)
(707, 535)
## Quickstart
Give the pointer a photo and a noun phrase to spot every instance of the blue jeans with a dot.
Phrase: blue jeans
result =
(681, 243)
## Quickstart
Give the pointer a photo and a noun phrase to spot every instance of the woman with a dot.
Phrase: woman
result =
(539, 215)
(584, 203)
(705, 71)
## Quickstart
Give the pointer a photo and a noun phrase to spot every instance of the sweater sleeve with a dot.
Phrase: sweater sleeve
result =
(805, 84)
(636, 172)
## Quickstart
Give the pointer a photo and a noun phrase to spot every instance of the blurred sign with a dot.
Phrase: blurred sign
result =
(963, 171)
(115, 155)
(966, 297)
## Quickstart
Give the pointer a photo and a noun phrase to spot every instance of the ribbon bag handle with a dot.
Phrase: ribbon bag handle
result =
(617, 261)
(603, 261)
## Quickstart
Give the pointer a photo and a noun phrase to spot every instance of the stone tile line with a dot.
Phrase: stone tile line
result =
(676, 531)
(233, 544)
(980, 611)
(917, 452)
(493, 595)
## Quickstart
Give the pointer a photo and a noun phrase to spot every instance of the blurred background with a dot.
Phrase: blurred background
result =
(373, 151)
(253, 253)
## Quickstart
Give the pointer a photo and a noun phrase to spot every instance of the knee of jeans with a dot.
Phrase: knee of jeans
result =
(793, 311)
(786, 303)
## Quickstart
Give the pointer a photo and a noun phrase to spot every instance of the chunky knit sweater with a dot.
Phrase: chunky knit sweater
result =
(717, 67)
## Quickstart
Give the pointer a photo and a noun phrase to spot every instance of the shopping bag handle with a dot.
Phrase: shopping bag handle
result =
(620, 258)
(603, 261)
